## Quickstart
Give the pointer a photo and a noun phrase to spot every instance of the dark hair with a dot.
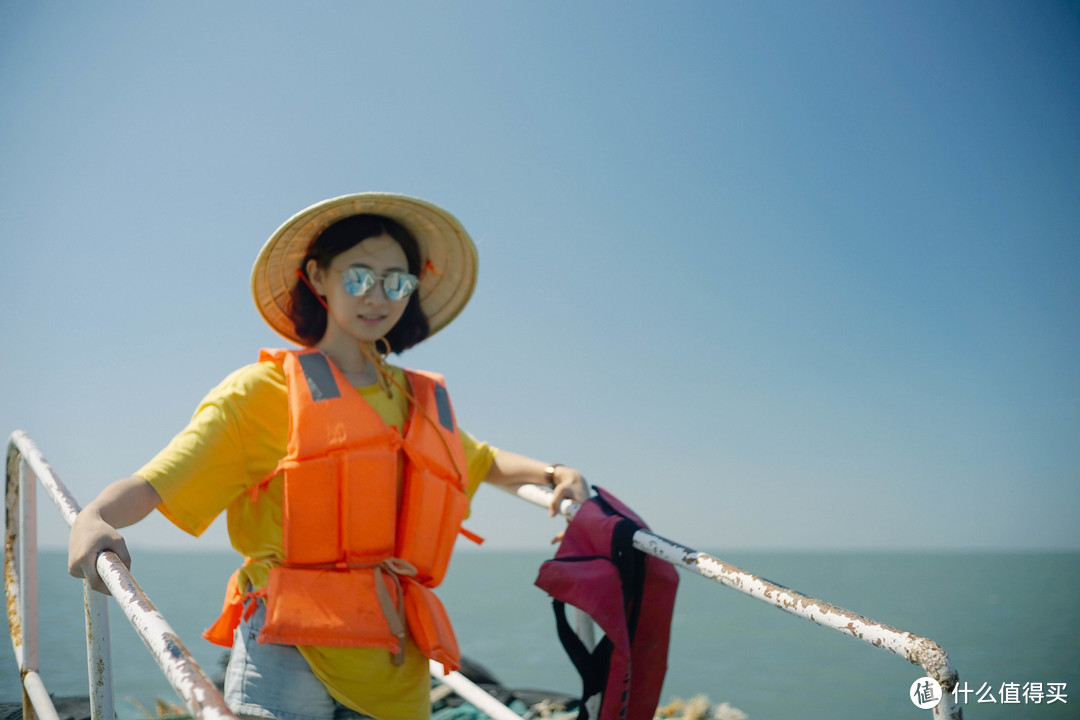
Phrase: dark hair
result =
(307, 312)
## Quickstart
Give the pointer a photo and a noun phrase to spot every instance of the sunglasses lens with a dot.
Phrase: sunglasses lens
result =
(359, 280)
(398, 285)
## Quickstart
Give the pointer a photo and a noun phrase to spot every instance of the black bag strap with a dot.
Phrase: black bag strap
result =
(631, 565)
(630, 562)
(592, 666)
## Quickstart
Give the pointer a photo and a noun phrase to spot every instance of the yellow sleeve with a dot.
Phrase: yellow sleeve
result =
(236, 436)
(478, 459)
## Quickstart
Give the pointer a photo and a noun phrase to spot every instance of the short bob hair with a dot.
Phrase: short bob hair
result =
(308, 313)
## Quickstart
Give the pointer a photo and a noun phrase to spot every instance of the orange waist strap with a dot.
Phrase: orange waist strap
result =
(393, 608)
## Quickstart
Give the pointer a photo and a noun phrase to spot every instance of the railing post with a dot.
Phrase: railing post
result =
(586, 630)
(203, 700)
(98, 654)
(27, 571)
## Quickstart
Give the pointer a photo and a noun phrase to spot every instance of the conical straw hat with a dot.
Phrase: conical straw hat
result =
(447, 256)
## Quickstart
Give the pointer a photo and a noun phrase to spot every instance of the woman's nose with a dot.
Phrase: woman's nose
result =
(376, 294)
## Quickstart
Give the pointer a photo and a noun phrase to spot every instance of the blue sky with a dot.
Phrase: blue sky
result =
(779, 275)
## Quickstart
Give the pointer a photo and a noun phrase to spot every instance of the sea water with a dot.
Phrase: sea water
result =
(1003, 618)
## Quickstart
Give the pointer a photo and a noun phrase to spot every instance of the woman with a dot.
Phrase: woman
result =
(344, 479)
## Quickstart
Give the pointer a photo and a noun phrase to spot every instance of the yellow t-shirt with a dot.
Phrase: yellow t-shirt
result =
(235, 439)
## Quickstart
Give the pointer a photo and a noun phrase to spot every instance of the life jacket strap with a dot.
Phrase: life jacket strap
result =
(249, 601)
(254, 491)
(472, 536)
(395, 614)
(393, 608)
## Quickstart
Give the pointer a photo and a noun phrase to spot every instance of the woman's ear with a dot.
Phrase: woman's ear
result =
(317, 276)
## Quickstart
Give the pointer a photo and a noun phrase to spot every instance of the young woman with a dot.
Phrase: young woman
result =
(345, 479)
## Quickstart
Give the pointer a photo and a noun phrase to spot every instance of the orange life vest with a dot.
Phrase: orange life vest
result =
(360, 559)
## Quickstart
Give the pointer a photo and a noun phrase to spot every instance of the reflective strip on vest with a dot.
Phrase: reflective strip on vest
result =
(442, 402)
(319, 376)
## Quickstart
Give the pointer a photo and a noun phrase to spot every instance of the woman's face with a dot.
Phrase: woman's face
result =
(371, 315)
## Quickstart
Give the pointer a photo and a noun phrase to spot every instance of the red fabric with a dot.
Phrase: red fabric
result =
(584, 575)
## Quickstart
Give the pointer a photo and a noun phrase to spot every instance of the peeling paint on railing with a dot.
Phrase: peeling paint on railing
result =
(202, 698)
(98, 653)
(11, 550)
(183, 673)
(11, 582)
(914, 648)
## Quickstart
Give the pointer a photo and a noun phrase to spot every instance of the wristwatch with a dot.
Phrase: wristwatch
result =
(549, 473)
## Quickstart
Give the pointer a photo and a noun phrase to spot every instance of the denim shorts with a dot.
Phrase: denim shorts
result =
(275, 681)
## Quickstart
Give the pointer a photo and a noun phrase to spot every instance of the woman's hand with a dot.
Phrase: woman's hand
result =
(90, 536)
(567, 483)
(511, 470)
(123, 503)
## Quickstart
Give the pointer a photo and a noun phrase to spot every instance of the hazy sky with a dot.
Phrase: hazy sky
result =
(782, 274)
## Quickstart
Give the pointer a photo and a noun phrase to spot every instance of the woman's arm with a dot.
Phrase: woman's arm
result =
(123, 503)
(511, 470)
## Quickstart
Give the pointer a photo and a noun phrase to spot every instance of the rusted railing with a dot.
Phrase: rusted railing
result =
(202, 698)
(915, 649)
(200, 695)
(25, 463)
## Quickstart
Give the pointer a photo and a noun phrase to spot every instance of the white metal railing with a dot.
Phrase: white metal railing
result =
(202, 698)
(915, 649)
(25, 463)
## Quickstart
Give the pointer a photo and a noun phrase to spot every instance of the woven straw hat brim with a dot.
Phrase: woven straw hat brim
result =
(447, 256)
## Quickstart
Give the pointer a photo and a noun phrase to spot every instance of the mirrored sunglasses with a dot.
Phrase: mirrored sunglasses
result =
(397, 284)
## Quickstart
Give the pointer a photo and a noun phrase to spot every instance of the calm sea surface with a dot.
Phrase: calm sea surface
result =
(1002, 617)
